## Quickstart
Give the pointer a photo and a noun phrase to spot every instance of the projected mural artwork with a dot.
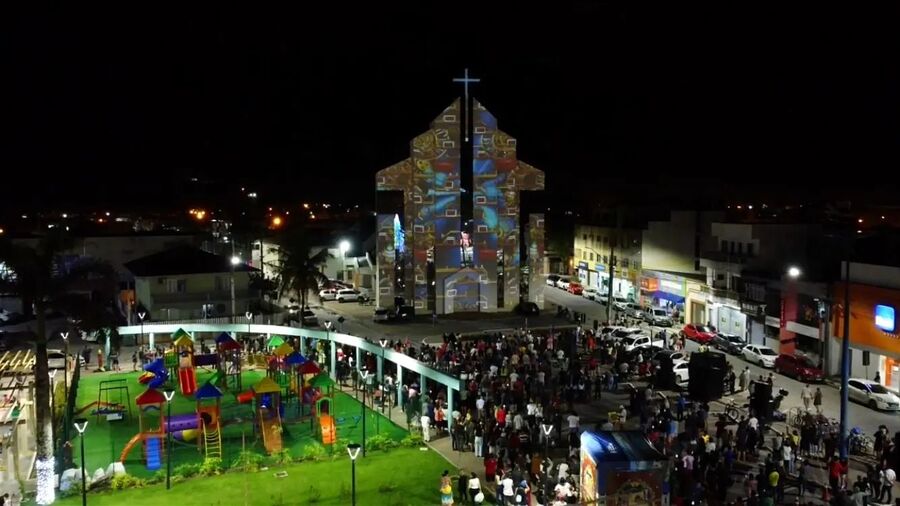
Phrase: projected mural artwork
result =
(434, 261)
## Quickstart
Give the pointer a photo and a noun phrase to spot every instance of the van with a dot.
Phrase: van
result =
(658, 316)
(634, 310)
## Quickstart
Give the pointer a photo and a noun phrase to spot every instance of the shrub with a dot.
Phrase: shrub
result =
(380, 442)
(187, 470)
(247, 461)
(313, 452)
(412, 440)
(212, 466)
(126, 481)
(282, 457)
(73, 490)
(158, 477)
(314, 495)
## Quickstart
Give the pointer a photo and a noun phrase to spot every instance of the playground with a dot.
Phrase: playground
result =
(217, 415)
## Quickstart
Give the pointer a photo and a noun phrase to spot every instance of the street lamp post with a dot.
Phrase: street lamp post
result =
(169, 393)
(141, 316)
(234, 262)
(353, 450)
(383, 343)
(547, 428)
(81, 426)
(845, 363)
(249, 316)
(65, 337)
(365, 376)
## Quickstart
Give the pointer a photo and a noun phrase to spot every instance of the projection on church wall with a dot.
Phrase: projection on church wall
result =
(447, 268)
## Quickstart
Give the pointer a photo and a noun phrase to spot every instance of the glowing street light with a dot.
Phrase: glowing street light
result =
(353, 451)
(794, 272)
(81, 426)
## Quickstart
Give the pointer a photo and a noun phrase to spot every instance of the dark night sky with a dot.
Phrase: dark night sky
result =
(602, 97)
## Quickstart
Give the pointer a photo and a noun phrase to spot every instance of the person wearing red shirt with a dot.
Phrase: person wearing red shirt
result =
(501, 416)
(835, 468)
(490, 468)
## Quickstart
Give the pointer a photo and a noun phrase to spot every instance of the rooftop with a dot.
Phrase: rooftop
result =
(183, 260)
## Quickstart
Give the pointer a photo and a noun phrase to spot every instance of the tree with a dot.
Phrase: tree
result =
(39, 276)
(297, 266)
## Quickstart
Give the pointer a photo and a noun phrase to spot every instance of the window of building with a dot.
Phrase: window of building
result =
(220, 284)
(740, 247)
(625, 263)
(605, 259)
(732, 247)
(584, 237)
(636, 264)
(584, 255)
(724, 246)
(591, 256)
(176, 285)
(749, 249)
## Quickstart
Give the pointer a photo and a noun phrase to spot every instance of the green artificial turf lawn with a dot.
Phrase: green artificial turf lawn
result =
(105, 440)
(403, 476)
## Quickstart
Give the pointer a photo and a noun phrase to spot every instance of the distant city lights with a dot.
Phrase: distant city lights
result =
(276, 221)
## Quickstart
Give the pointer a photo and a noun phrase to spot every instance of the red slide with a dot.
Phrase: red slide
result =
(187, 380)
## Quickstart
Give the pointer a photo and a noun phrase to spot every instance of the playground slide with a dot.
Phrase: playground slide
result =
(154, 453)
(187, 380)
(131, 443)
(271, 433)
(328, 432)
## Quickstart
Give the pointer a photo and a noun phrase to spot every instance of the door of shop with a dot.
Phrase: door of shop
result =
(698, 313)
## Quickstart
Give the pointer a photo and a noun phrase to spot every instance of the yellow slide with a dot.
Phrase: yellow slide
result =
(328, 433)
(271, 433)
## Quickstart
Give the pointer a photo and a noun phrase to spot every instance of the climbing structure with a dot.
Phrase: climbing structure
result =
(267, 394)
(229, 352)
(151, 436)
(183, 347)
(208, 414)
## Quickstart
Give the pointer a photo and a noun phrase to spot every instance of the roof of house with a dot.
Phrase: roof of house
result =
(150, 396)
(208, 391)
(183, 260)
(266, 386)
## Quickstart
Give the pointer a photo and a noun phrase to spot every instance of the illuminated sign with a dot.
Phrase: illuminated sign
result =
(884, 317)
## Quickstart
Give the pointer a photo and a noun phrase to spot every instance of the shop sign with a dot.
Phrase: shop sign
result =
(884, 317)
(649, 284)
(600, 267)
(752, 308)
(671, 286)
(583, 265)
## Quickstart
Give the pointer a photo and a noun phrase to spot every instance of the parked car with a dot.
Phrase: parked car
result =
(700, 333)
(658, 316)
(758, 354)
(56, 359)
(589, 293)
(563, 283)
(634, 310)
(552, 279)
(872, 394)
(327, 294)
(347, 295)
(620, 303)
(631, 355)
(575, 288)
(682, 372)
(405, 313)
(623, 332)
(381, 315)
(309, 318)
(729, 343)
(639, 341)
(798, 367)
(675, 356)
(602, 297)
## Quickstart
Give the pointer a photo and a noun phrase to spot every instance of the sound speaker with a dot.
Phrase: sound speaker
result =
(665, 374)
(761, 399)
(706, 376)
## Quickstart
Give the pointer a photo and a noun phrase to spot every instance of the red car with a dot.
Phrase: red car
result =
(575, 288)
(700, 333)
(798, 367)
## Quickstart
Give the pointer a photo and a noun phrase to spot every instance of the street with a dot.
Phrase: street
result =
(859, 416)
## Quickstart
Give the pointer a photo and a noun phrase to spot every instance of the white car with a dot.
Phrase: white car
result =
(56, 359)
(602, 297)
(552, 279)
(682, 371)
(563, 283)
(639, 341)
(762, 355)
(589, 293)
(381, 315)
(622, 332)
(327, 294)
(872, 394)
(620, 303)
(634, 310)
(658, 316)
(347, 295)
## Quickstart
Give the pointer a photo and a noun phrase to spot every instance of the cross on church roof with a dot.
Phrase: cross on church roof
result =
(465, 79)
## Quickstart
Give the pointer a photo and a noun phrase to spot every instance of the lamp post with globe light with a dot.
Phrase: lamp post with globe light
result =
(235, 261)
(141, 316)
(365, 376)
(344, 247)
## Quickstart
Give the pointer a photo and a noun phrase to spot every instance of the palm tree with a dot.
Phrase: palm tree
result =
(38, 276)
(297, 266)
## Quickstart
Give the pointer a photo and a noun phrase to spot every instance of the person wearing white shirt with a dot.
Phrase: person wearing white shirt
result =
(562, 470)
(518, 421)
(479, 405)
(507, 484)
(573, 422)
(494, 370)
(530, 409)
(540, 376)
(426, 432)
(474, 486)
(786, 455)
(753, 423)
(513, 376)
